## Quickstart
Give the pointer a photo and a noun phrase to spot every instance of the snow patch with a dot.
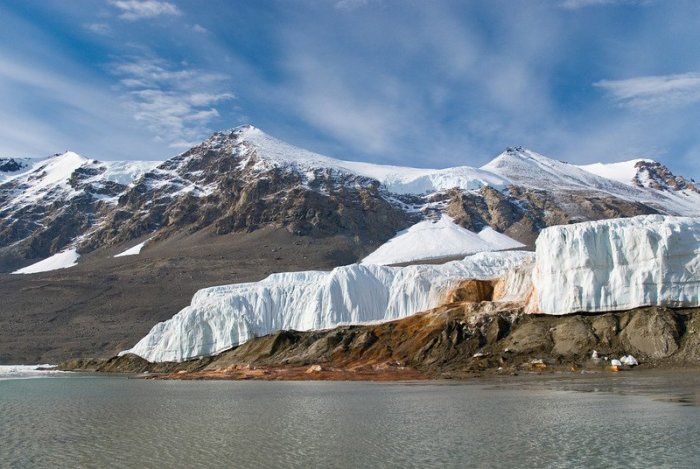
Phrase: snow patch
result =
(61, 260)
(441, 239)
(126, 172)
(498, 240)
(133, 251)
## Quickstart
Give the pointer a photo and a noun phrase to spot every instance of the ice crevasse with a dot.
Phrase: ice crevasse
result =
(224, 316)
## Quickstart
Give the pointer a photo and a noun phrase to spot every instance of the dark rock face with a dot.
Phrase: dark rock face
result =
(654, 175)
(11, 165)
(655, 335)
(522, 213)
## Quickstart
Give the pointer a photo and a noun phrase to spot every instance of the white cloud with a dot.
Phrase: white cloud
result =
(140, 9)
(49, 108)
(350, 4)
(654, 92)
(198, 28)
(98, 28)
(576, 4)
(176, 104)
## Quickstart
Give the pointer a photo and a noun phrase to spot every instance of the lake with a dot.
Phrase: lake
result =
(629, 419)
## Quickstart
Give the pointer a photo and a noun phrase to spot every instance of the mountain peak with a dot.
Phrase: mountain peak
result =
(654, 175)
(622, 171)
(518, 150)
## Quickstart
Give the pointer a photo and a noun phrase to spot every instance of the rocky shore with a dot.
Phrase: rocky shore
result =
(461, 339)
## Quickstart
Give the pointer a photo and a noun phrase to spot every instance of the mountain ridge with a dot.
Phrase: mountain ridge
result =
(121, 201)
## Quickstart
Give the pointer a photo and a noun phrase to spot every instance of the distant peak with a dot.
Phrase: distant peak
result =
(68, 154)
(515, 150)
(241, 129)
(10, 165)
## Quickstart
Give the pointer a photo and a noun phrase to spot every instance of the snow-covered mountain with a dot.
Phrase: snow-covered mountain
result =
(48, 204)
(12, 166)
(244, 180)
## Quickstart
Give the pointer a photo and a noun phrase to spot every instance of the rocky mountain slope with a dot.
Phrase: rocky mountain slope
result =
(243, 205)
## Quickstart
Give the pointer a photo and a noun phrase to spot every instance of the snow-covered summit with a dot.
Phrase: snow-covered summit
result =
(270, 151)
(623, 171)
(47, 205)
(37, 178)
(65, 176)
(635, 181)
(530, 169)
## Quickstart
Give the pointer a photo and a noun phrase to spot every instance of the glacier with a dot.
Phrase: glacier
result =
(221, 317)
(619, 264)
(592, 266)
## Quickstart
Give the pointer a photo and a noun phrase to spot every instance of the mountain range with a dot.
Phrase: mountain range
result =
(242, 205)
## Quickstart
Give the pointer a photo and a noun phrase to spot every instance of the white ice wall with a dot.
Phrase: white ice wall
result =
(221, 317)
(618, 264)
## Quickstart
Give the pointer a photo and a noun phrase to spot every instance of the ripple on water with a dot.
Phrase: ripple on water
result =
(107, 421)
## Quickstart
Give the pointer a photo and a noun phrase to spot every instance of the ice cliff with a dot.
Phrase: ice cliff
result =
(617, 264)
(594, 266)
(221, 317)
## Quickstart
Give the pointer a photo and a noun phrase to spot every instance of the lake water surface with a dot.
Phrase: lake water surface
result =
(103, 421)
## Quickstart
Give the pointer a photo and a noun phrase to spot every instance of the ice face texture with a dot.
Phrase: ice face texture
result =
(618, 264)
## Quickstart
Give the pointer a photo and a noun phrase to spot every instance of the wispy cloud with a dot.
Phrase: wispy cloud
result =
(654, 92)
(98, 28)
(140, 9)
(350, 4)
(176, 104)
(576, 4)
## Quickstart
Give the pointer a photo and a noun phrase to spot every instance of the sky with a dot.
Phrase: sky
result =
(425, 83)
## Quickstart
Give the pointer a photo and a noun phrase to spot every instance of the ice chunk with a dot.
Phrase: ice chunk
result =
(629, 360)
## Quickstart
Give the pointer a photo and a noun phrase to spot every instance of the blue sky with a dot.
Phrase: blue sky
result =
(411, 82)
